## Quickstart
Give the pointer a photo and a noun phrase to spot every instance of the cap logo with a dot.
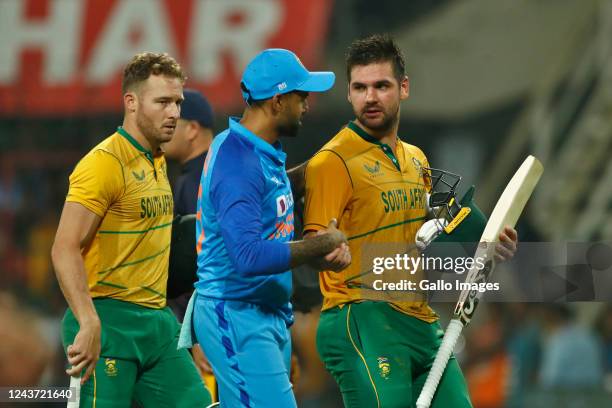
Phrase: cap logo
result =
(282, 86)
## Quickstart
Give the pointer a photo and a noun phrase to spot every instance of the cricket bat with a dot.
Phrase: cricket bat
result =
(506, 212)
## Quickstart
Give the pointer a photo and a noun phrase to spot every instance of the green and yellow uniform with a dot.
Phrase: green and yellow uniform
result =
(377, 346)
(128, 188)
(378, 198)
(127, 269)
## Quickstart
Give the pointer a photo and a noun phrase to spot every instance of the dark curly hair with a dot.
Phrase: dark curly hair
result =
(373, 49)
(146, 64)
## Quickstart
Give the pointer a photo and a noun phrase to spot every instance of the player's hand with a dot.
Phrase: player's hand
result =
(506, 248)
(332, 229)
(84, 352)
(428, 232)
(338, 259)
(200, 360)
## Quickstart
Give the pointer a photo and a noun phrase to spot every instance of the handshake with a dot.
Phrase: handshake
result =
(325, 250)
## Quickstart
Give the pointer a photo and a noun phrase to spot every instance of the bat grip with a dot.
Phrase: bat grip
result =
(75, 387)
(439, 365)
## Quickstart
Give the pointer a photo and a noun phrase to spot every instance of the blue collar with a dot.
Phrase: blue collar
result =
(274, 151)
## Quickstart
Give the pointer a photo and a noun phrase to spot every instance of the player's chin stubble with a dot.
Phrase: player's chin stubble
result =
(149, 131)
(289, 129)
(386, 123)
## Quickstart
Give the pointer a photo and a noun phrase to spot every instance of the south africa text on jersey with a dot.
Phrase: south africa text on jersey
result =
(399, 199)
(156, 206)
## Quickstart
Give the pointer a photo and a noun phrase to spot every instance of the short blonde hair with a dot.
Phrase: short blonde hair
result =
(145, 64)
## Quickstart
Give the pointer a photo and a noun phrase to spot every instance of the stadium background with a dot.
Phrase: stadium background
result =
(491, 81)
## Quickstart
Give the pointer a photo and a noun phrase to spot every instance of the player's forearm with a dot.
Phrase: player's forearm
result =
(312, 249)
(297, 179)
(72, 277)
(258, 257)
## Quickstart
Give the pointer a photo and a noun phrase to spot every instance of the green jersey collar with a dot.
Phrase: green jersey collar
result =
(369, 138)
(135, 143)
(364, 135)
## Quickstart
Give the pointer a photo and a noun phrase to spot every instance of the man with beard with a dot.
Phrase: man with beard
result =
(241, 312)
(111, 255)
(378, 350)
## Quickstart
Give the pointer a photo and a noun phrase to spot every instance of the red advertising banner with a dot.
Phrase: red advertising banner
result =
(65, 57)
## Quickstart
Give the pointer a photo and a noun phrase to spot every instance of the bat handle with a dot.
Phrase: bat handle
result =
(75, 387)
(439, 365)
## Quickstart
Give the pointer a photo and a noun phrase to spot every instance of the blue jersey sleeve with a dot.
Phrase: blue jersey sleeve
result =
(236, 192)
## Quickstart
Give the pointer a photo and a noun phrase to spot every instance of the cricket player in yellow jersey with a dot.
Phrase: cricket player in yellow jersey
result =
(378, 350)
(111, 255)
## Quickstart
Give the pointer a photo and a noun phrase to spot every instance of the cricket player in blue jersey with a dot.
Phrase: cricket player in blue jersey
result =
(244, 234)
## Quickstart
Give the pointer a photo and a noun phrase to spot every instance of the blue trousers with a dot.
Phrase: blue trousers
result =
(249, 350)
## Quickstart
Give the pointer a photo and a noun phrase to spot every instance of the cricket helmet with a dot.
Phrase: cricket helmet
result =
(465, 221)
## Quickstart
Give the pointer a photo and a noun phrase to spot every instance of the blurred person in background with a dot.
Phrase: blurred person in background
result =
(24, 354)
(487, 366)
(191, 140)
(316, 388)
(189, 145)
(111, 254)
(242, 310)
(571, 354)
(39, 271)
(379, 352)
(523, 345)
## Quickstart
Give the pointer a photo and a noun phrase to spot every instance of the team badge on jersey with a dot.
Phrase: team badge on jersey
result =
(110, 367)
(384, 367)
(417, 165)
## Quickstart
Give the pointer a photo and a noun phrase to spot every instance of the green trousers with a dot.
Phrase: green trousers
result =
(380, 357)
(139, 361)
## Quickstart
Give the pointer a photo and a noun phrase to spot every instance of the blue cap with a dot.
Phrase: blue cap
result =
(196, 107)
(278, 71)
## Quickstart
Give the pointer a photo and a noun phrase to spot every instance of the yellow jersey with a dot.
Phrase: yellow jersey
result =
(127, 186)
(378, 197)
